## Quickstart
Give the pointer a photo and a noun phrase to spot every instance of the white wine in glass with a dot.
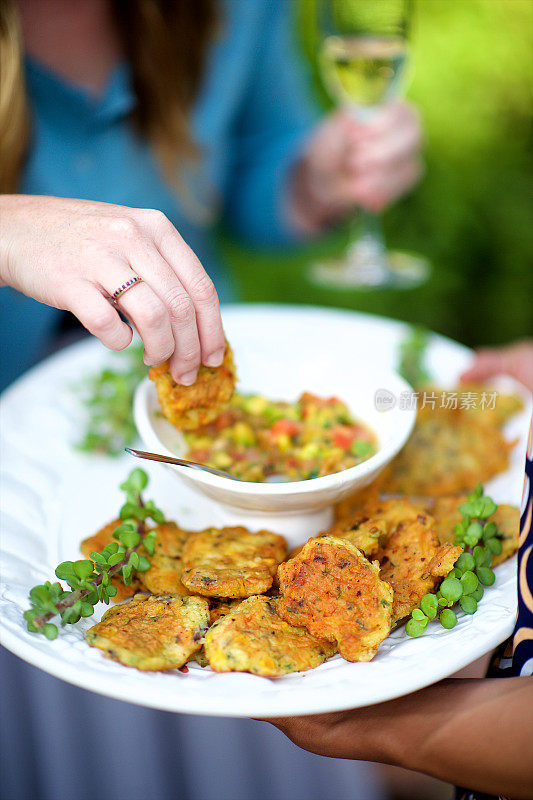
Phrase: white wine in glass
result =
(362, 70)
(362, 59)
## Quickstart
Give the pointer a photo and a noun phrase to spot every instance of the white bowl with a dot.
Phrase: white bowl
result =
(297, 509)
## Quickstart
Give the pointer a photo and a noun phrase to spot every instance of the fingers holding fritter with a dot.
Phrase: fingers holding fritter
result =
(152, 633)
(337, 594)
(190, 407)
(253, 638)
(95, 544)
(164, 575)
(411, 561)
(231, 562)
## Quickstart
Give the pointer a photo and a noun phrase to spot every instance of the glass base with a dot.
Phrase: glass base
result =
(393, 270)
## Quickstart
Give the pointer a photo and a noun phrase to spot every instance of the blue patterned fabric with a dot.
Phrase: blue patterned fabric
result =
(515, 657)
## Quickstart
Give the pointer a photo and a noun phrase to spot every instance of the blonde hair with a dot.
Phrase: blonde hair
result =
(165, 42)
(14, 116)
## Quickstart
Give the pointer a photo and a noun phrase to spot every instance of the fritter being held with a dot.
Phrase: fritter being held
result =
(152, 632)
(231, 562)
(412, 561)
(164, 575)
(190, 407)
(95, 544)
(253, 638)
(507, 519)
(337, 594)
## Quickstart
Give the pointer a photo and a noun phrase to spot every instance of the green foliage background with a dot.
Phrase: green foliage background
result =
(472, 80)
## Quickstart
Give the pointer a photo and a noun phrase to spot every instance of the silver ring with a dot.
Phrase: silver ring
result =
(124, 288)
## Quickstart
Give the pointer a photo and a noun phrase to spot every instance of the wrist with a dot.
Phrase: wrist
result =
(6, 201)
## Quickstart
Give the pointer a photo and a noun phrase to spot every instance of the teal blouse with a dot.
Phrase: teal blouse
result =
(251, 116)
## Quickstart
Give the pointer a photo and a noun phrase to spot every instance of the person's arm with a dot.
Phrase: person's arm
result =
(74, 254)
(473, 733)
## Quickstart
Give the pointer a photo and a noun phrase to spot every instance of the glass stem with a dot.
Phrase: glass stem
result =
(366, 253)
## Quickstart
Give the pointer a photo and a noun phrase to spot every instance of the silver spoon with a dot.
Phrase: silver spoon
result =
(179, 462)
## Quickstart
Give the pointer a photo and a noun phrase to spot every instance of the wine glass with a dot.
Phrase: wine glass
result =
(363, 48)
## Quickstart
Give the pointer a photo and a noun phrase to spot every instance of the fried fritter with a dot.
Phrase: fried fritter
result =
(337, 594)
(369, 526)
(231, 562)
(152, 633)
(95, 544)
(449, 451)
(164, 575)
(190, 407)
(412, 560)
(200, 657)
(444, 559)
(366, 533)
(506, 517)
(220, 606)
(254, 639)
(484, 410)
(356, 502)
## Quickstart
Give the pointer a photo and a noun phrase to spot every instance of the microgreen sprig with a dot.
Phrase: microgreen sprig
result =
(107, 396)
(90, 580)
(464, 584)
(412, 356)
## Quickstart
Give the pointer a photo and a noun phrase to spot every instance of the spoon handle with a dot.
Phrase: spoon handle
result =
(179, 462)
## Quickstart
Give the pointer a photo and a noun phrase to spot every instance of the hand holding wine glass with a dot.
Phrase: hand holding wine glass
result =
(349, 164)
(362, 59)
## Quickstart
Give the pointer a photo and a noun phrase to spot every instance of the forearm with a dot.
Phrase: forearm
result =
(475, 733)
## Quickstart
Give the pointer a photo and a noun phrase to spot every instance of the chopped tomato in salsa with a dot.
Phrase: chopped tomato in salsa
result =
(254, 438)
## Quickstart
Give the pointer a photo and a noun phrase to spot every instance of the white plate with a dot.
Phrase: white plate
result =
(52, 497)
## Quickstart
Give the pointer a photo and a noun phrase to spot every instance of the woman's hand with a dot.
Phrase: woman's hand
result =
(73, 254)
(349, 163)
(431, 731)
(514, 359)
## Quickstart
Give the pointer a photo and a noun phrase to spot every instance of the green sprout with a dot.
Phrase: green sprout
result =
(108, 400)
(471, 572)
(412, 356)
(90, 580)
